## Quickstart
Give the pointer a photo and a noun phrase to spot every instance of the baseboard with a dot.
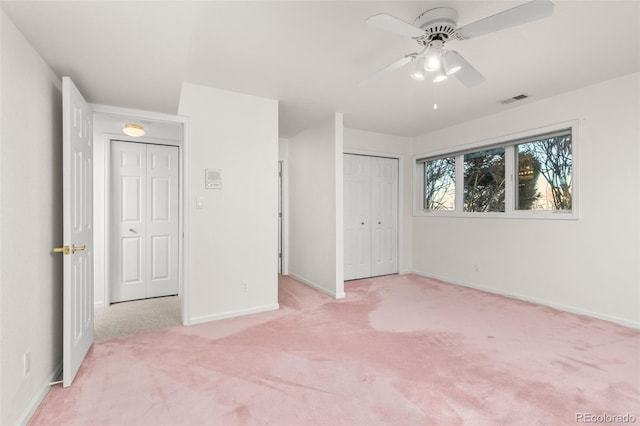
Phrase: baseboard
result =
(35, 402)
(558, 306)
(232, 314)
(318, 287)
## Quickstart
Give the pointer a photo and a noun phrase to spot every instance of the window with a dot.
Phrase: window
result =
(440, 184)
(531, 176)
(544, 174)
(484, 181)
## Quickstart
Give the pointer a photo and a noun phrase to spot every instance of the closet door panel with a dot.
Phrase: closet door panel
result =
(357, 217)
(162, 220)
(384, 216)
(128, 198)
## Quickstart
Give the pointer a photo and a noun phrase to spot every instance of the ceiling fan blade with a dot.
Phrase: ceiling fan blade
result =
(467, 74)
(394, 25)
(528, 12)
(388, 69)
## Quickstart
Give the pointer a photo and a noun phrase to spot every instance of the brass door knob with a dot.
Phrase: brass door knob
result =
(63, 250)
(69, 250)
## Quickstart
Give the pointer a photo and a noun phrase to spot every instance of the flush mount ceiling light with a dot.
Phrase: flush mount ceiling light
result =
(133, 130)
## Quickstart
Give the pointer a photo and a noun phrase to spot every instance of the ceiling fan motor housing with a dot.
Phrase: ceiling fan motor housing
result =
(439, 24)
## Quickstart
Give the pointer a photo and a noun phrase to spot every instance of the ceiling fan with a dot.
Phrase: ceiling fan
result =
(435, 27)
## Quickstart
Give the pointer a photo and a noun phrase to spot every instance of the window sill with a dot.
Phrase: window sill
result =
(539, 215)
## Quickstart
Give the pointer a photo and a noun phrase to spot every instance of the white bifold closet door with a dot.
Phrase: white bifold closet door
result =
(370, 216)
(145, 223)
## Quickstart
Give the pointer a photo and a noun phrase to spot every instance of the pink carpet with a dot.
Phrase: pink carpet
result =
(399, 350)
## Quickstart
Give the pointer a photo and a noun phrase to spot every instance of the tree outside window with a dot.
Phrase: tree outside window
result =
(484, 181)
(439, 184)
(544, 174)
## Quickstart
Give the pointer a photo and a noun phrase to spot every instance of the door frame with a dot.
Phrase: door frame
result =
(102, 144)
(283, 182)
(108, 196)
(401, 197)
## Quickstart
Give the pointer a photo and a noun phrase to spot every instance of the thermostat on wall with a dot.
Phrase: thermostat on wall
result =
(213, 179)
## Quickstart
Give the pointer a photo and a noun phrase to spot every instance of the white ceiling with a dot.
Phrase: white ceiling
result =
(310, 55)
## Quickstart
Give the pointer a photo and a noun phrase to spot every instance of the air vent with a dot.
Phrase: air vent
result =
(514, 99)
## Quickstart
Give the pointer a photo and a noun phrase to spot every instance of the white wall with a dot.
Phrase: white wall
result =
(379, 144)
(589, 265)
(283, 149)
(31, 224)
(232, 241)
(315, 206)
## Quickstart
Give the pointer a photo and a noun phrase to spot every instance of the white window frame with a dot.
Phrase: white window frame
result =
(505, 141)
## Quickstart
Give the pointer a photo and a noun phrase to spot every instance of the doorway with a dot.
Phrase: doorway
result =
(162, 130)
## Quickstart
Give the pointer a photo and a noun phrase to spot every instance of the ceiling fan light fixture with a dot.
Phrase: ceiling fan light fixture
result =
(417, 75)
(451, 62)
(433, 55)
(133, 130)
(440, 75)
(418, 72)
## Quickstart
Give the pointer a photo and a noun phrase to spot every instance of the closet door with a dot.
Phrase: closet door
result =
(145, 222)
(357, 216)
(384, 216)
(128, 197)
(370, 216)
(162, 221)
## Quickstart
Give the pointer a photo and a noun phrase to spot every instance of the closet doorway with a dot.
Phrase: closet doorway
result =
(144, 186)
(370, 216)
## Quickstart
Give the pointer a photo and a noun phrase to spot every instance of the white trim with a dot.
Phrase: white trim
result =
(401, 161)
(137, 113)
(232, 314)
(318, 287)
(558, 306)
(285, 216)
(34, 403)
(143, 139)
(510, 212)
(185, 208)
(498, 140)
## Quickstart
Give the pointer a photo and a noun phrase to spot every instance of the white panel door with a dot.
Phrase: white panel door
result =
(144, 185)
(370, 216)
(77, 197)
(162, 221)
(357, 216)
(384, 216)
(128, 202)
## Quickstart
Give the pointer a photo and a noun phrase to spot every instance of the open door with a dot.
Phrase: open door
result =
(77, 230)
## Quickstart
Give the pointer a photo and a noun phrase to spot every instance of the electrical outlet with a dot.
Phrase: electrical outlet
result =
(476, 267)
(26, 358)
(245, 286)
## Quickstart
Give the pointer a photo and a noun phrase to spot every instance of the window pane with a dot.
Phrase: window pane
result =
(439, 184)
(544, 174)
(484, 181)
